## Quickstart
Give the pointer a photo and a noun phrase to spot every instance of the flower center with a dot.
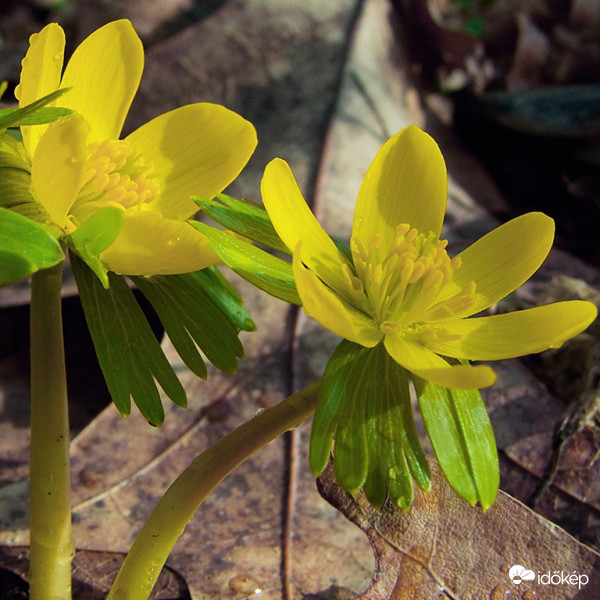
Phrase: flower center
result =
(116, 175)
(407, 287)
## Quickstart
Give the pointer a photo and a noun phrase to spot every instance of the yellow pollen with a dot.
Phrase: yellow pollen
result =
(403, 289)
(116, 175)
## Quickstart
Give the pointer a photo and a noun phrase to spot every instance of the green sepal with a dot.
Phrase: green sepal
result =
(244, 217)
(129, 354)
(94, 236)
(463, 440)
(25, 247)
(265, 271)
(35, 113)
(193, 320)
(364, 402)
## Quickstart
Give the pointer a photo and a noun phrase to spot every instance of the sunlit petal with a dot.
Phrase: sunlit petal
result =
(40, 75)
(406, 183)
(105, 72)
(505, 258)
(58, 166)
(517, 333)
(294, 222)
(426, 364)
(149, 244)
(326, 307)
(198, 149)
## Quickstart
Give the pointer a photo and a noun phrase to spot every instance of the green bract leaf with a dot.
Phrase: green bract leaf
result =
(223, 294)
(244, 217)
(129, 354)
(34, 113)
(462, 437)
(13, 153)
(25, 247)
(15, 183)
(193, 320)
(15, 118)
(95, 235)
(364, 401)
(269, 273)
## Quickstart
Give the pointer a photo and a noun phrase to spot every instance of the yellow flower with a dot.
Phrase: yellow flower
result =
(400, 287)
(79, 164)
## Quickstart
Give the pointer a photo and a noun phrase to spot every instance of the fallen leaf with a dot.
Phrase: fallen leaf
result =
(444, 548)
(93, 573)
(532, 54)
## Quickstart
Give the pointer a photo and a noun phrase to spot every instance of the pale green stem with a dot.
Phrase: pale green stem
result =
(153, 544)
(51, 545)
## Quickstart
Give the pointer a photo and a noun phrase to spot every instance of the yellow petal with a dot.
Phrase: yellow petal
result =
(40, 75)
(518, 333)
(421, 361)
(148, 244)
(295, 223)
(326, 307)
(406, 183)
(58, 166)
(198, 149)
(105, 72)
(505, 258)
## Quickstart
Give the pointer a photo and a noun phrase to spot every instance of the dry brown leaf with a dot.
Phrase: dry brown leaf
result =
(536, 431)
(532, 54)
(444, 548)
(93, 573)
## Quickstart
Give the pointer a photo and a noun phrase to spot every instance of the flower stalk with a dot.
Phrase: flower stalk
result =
(153, 544)
(51, 545)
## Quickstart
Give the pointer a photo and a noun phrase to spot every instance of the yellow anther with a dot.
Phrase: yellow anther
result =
(115, 175)
(400, 288)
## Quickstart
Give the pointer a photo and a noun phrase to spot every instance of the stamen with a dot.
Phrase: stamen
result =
(455, 306)
(116, 175)
(401, 288)
(355, 287)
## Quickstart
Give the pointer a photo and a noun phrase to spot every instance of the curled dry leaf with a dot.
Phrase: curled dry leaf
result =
(444, 548)
(93, 573)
